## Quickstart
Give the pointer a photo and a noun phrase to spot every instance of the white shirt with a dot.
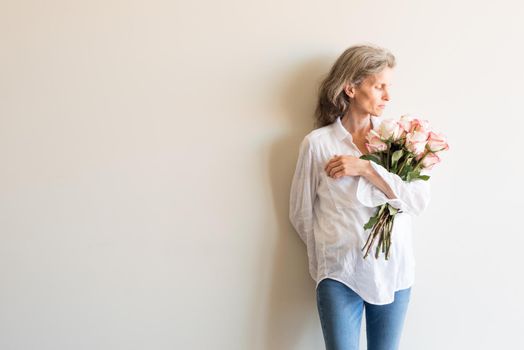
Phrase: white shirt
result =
(329, 214)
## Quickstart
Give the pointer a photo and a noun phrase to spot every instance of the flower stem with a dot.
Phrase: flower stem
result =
(376, 230)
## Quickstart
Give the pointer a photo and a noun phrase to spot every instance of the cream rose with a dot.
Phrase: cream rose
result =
(390, 129)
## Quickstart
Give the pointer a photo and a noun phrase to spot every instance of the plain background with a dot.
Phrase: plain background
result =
(147, 149)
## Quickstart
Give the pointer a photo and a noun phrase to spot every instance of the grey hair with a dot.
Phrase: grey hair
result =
(352, 67)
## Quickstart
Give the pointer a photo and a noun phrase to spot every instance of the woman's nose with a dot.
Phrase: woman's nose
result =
(386, 95)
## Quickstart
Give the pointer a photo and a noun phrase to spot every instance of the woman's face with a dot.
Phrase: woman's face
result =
(372, 95)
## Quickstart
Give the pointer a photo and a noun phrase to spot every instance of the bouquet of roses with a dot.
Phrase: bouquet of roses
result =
(404, 147)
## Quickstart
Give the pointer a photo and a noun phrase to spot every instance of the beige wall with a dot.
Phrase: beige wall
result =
(147, 149)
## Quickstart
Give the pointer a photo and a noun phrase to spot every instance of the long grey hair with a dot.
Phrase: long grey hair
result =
(351, 67)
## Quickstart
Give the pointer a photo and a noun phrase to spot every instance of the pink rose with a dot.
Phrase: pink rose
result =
(416, 142)
(405, 123)
(375, 143)
(430, 160)
(437, 142)
(420, 125)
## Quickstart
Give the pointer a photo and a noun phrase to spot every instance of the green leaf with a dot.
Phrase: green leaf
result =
(406, 170)
(372, 221)
(392, 210)
(373, 157)
(414, 174)
(424, 177)
(396, 156)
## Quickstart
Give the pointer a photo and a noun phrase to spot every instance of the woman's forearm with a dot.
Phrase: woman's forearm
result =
(372, 176)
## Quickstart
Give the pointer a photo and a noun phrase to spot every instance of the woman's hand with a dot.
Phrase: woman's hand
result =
(339, 166)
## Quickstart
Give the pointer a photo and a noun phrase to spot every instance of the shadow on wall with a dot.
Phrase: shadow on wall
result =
(292, 320)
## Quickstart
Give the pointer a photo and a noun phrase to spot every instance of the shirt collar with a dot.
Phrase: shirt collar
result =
(342, 133)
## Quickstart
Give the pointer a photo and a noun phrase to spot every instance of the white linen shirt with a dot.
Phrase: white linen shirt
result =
(329, 214)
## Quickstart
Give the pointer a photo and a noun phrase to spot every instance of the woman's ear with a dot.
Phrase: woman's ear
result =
(349, 90)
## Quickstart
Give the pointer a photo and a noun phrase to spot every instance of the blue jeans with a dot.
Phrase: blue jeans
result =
(340, 310)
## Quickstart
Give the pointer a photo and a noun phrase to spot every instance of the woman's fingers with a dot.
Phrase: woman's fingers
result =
(335, 161)
(336, 166)
(338, 170)
(331, 164)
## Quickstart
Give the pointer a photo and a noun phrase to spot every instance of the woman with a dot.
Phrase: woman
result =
(334, 193)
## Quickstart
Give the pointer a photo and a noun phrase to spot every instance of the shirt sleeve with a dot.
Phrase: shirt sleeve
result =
(411, 197)
(303, 192)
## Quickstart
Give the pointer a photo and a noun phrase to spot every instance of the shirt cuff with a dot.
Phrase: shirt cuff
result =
(371, 196)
